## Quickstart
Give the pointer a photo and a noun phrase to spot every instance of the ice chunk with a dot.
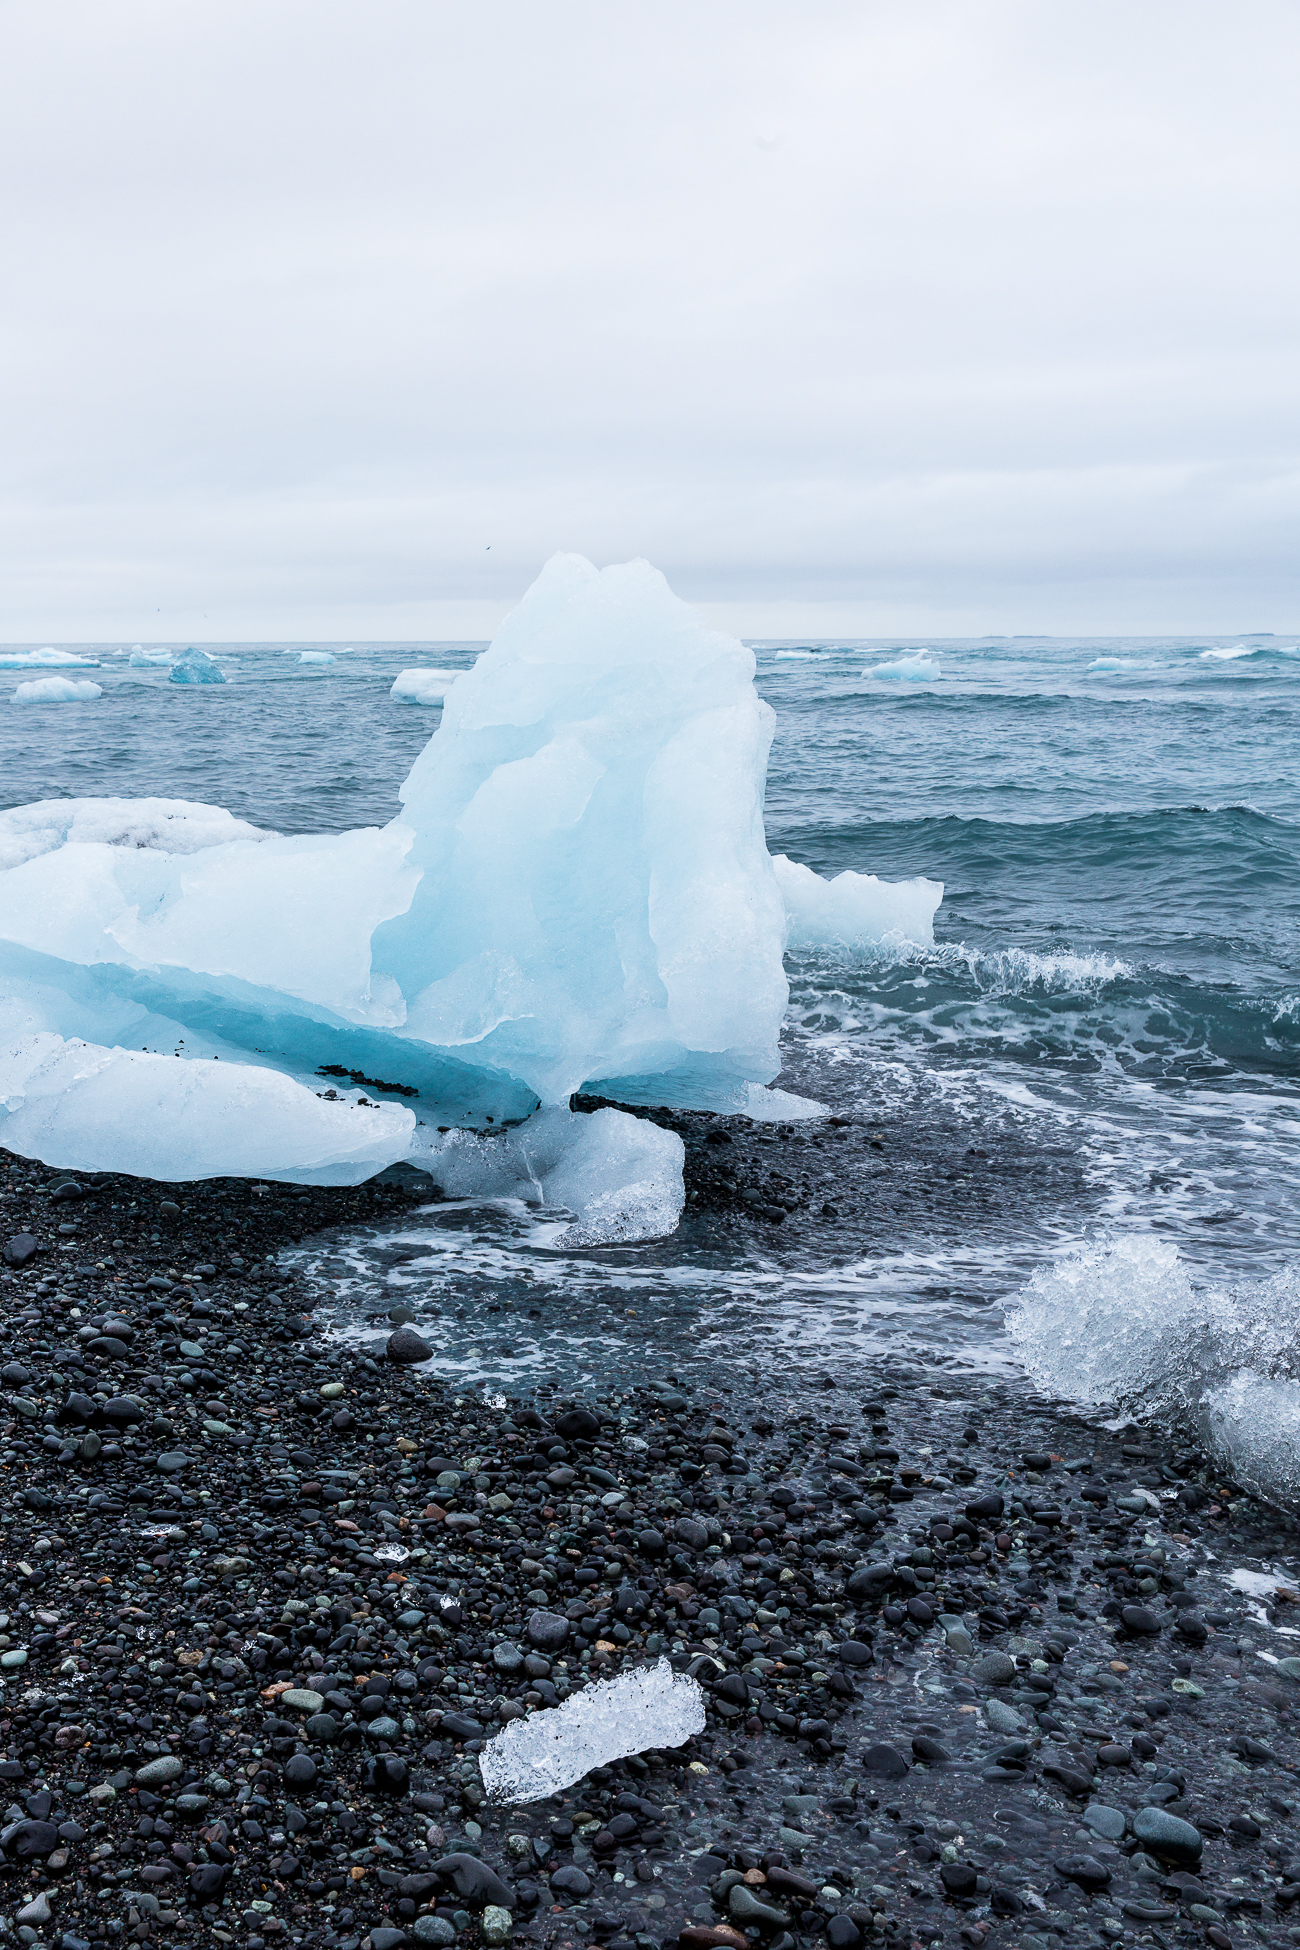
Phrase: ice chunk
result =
(165, 825)
(1100, 664)
(621, 1176)
(916, 667)
(597, 902)
(148, 659)
(315, 656)
(94, 1109)
(57, 690)
(47, 659)
(855, 910)
(423, 686)
(196, 667)
(649, 1707)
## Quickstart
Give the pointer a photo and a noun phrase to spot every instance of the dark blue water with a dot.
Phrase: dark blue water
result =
(1115, 972)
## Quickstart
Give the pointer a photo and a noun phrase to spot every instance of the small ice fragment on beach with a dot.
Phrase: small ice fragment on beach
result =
(57, 690)
(196, 667)
(652, 1706)
(423, 686)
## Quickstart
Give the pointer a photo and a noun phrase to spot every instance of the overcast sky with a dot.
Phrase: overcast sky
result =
(336, 320)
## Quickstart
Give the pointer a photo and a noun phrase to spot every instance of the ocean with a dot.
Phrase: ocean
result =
(1087, 1088)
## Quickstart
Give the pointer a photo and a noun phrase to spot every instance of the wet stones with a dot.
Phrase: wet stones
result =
(547, 1631)
(995, 1669)
(407, 1349)
(885, 1761)
(1167, 1835)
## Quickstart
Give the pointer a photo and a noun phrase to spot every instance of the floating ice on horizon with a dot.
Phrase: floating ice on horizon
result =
(152, 1116)
(647, 1708)
(855, 910)
(315, 656)
(577, 894)
(917, 668)
(423, 686)
(47, 659)
(57, 690)
(1100, 664)
(196, 667)
(620, 1176)
(148, 659)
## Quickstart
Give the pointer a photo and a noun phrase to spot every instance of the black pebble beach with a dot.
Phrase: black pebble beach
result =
(976, 1670)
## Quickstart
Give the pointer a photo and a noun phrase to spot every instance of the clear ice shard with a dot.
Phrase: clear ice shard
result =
(576, 895)
(649, 1707)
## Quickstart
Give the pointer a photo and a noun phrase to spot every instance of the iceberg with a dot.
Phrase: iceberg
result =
(47, 659)
(916, 668)
(57, 690)
(315, 656)
(148, 659)
(196, 667)
(576, 895)
(855, 910)
(423, 686)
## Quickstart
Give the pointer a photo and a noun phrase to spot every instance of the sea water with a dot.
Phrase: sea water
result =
(1113, 991)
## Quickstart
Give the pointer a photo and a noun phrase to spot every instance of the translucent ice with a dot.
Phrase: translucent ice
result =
(649, 1707)
(315, 656)
(159, 1117)
(621, 1176)
(914, 667)
(57, 690)
(196, 667)
(423, 686)
(855, 909)
(165, 825)
(47, 659)
(148, 659)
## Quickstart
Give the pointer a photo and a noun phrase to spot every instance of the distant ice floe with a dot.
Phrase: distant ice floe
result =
(576, 896)
(141, 659)
(1100, 665)
(650, 1707)
(196, 667)
(1123, 1323)
(315, 656)
(57, 690)
(916, 667)
(47, 659)
(423, 686)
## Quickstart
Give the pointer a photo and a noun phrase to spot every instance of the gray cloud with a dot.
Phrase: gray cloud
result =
(874, 317)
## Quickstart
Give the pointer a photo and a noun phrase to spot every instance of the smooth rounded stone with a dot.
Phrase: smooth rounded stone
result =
(651, 1543)
(929, 1750)
(746, 1907)
(506, 1657)
(986, 1508)
(869, 1581)
(1085, 1870)
(300, 1770)
(1003, 1718)
(15, 1374)
(331, 1390)
(920, 1611)
(171, 1462)
(302, 1699)
(1139, 1621)
(842, 1933)
(16, 1656)
(1191, 1626)
(547, 1631)
(123, 1410)
(958, 1878)
(29, 1841)
(854, 1653)
(191, 1805)
(407, 1348)
(1109, 1823)
(385, 1727)
(208, 1879)
(322, 1727)
(995, 1669)
(496, 1923)
(90, 1445)
(157, 1773)
(387, 1939)
(434, 1929)
(692, 1533)
(20, 1249)
(36, 1912)
(109, 1346)
(1291, 1667)
(578, 1425)
(958, 1638)
(1167, 1834)
(570, 1881)
(885, 1761)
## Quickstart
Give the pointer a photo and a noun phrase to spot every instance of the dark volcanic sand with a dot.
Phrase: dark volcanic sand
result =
(170, 1560)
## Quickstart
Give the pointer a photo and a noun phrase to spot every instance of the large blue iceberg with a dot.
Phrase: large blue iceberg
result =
(577, 894)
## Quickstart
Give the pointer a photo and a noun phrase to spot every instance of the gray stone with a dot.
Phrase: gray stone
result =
(407, 1349)
(691, 1532)
(497, 1925)
(745, 1907)
(36, 1912)
(885, 1761)
(1167, 1834)
(547, 1631)
(172, 1462)
(302, 1699)
(995, 1669)
(507, 1657)
(1002, 1718)
(20, 1249)
(387, 1939)
(433, 1929)
(1107, 1822)
(474, 1882)
(157, 1773)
